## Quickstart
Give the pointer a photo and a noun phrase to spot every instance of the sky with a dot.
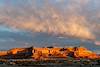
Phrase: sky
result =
(25, 23)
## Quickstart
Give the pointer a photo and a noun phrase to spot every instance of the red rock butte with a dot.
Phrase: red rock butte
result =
(48, 53)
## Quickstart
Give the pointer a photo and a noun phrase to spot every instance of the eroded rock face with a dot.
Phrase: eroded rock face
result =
(85, 53)
(42, 53)
(3, 53)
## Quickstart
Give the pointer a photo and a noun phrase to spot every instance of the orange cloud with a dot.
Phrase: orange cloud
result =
(48, 20)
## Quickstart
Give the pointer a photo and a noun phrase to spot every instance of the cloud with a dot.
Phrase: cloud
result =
(97, 43)
(48, 19)
(60, 1)
(7, 40)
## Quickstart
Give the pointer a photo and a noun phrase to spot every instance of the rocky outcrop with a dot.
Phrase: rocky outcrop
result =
(47, 53)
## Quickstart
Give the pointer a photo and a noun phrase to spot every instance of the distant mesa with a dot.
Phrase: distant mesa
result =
(48, 53)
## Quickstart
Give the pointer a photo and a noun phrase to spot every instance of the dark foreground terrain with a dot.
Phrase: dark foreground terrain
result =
(51, 66)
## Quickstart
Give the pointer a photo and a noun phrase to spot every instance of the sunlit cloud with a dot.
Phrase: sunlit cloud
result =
(26, 15)
(97, 43)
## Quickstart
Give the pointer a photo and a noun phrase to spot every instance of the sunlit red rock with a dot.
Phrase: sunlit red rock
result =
(56, 52)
